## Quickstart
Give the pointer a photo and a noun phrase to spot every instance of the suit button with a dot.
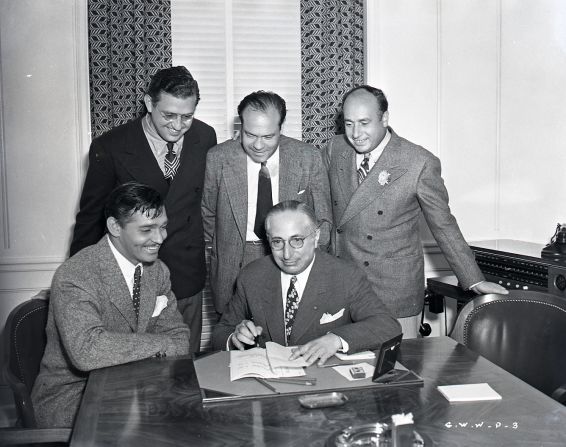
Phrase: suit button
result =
(240, 265)
(339, 230)
(380, 212)
(336, 203)
(366, 263)
(370, 237)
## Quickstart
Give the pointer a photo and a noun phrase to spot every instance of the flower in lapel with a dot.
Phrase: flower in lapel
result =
(383, 178)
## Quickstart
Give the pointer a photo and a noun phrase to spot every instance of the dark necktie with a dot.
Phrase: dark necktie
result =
(264, 201)
(171, 162)
(291, 307)
(363, 170)
(136, 290)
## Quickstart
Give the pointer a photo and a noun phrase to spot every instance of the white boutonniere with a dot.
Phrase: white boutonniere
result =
(383, 178)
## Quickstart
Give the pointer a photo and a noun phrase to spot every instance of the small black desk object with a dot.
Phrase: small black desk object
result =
(157, 402)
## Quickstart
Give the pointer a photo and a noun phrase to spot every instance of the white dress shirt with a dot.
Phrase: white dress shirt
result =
(375, 153)
(253, 169)
(128, 269)
(157, 144)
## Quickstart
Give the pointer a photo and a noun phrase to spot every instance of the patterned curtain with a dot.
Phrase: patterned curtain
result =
(332, 56)
(129, 40)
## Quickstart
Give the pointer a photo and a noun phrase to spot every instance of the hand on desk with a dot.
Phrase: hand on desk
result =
(320, 349)
(245, 332)
(485, 287)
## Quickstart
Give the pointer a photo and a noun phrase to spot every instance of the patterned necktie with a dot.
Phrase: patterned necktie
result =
(171, 162)
(291, 308)
(363, 170)
(264, 201)
(136, 290)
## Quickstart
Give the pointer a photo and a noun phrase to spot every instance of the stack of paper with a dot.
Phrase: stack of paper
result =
(469, 393)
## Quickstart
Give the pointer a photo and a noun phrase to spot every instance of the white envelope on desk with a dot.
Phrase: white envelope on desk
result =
(160, 304)
(328, 318)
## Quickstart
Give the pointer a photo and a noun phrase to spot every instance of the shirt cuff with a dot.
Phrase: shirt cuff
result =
(473, 285)
(345, 346)
(228, 342)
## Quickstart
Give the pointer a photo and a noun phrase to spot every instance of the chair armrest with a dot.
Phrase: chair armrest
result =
(19, 436)
(559, 394)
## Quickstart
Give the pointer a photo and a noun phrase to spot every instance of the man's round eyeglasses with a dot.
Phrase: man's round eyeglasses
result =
(295, 241)
(174, 117)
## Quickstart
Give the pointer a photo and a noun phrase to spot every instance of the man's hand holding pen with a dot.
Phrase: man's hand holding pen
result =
(246, 333)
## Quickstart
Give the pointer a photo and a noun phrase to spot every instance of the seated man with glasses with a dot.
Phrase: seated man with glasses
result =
(301, 296)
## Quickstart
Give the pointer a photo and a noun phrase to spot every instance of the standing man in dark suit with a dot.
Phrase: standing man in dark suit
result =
(165, 149)
(244, 178)
(110, 304)
(303, 296)
(380, 185)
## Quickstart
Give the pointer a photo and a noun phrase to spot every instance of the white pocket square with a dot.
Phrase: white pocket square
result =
(160, 304)
(327, 318)
(300, 192)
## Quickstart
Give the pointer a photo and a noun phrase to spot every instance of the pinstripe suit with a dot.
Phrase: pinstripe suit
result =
(333, 285)
(224, 204)
(377, 225)
(92, 324)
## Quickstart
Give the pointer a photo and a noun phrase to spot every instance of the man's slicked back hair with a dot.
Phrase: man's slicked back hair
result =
(176, 81)
(262, 101)
(129, 198)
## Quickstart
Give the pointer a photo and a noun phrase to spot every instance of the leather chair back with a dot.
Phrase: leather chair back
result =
(25, 341)
(523, 332)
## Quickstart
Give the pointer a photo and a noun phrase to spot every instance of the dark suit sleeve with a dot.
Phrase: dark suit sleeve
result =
(210, 195)
(236, 311)
(100, 181)
(433, 200)
(372, 323)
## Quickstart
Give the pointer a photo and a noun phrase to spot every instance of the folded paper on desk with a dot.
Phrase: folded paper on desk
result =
(469, 393)
(271, 362)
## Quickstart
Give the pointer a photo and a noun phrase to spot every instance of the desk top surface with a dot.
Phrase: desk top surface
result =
(157, 402)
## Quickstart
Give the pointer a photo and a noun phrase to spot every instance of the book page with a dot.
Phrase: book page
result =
(278, 356)
(254, 363)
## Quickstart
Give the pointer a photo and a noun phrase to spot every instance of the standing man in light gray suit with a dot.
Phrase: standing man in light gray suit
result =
(302, 296)
(380, 185)
(111, 303)
(244, 178)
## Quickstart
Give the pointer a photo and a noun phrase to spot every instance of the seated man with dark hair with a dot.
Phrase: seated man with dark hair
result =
(111, 303)
(303, 296)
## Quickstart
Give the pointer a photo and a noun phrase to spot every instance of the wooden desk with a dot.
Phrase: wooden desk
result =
(156, 402)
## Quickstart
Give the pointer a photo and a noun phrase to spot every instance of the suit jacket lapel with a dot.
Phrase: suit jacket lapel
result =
(115, 284)
(188, 158)
(371, 188)
(290, 171)
(140, 161)
(147, 297)
(236, 179)
(272, 305)
(313, 297)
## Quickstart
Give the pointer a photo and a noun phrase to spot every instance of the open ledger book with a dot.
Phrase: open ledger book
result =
(268, 363)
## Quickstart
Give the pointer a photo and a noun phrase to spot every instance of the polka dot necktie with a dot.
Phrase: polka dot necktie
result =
(136, 290)
(291, 308)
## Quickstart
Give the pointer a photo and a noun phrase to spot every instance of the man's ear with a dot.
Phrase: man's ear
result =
(385, 118)
(148, 103)
(316, 236)
(114, 227)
